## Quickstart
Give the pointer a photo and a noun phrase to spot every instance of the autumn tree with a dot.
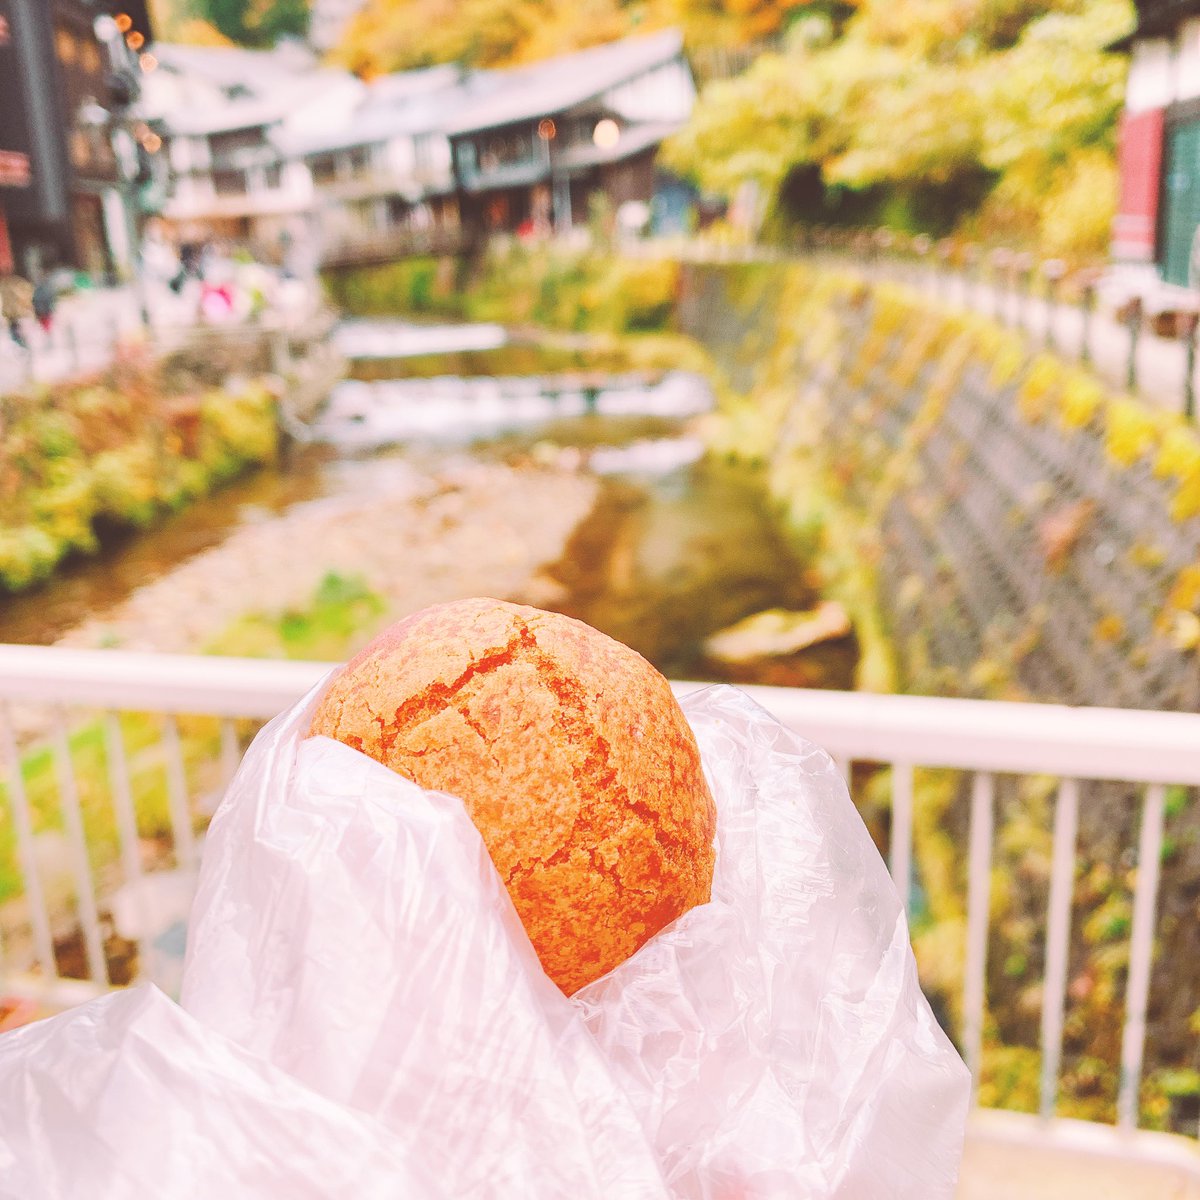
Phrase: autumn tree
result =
(389, 35)
(999, 114)
(256, 23)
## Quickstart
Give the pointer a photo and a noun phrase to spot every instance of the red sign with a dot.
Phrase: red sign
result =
(6, 255)
(14, 169)
(1140, 160)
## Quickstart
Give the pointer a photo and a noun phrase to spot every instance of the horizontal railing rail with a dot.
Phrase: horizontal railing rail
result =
(58, 706)
(986, 735)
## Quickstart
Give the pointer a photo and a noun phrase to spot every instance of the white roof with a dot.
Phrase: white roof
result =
(206, 89)
(558, 84)
(406, 103)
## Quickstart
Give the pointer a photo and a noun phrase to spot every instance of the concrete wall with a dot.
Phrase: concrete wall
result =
(1034, 536)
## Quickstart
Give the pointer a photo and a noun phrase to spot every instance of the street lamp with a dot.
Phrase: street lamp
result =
(93, 115)
(560, 187)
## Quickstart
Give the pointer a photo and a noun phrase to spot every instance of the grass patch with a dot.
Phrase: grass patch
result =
(341, 610)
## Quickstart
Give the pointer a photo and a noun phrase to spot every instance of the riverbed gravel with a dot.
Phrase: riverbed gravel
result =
(416, 537)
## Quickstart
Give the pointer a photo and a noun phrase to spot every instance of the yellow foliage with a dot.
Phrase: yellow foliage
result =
(390, 35)
(1185, 592)
(1081, 400)
(1179, 455)
(1147, 557)
(1010, 1078)
(1185, 504)
(1076, 211)
(1131, 431)
(1007, 360)
(1185, 631)
(1034, 396)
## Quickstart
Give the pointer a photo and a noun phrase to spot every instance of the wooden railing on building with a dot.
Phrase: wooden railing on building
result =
(392, 246)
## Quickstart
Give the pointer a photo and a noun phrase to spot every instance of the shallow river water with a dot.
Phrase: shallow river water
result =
(676, 548)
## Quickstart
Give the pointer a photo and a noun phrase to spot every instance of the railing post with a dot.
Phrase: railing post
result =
(1141, 954)
(979, 880)
(1186, 323)
(21, 815)
(1133, 314)
(921, 245)
(72, 339)
(72, 815)
(945, 268)
(1058, 940)
(900, 851)
(1001, 260)
(1022, 284)
(1087, 301)
(972, 268)
(1053, 272)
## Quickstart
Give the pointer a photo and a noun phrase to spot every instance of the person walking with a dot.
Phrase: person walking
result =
(44, 299)
(16, 304)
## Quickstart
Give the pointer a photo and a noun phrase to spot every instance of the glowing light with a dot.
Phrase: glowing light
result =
(153, 143)
(547, 129)
(606, 134)
(124, 22)
(148, 62)
(135, 41)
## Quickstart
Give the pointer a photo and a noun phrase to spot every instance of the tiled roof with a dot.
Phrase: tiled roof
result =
(415, 102)
(241, 88)
(557, 84)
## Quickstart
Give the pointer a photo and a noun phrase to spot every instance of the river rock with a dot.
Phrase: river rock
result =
(813, 648)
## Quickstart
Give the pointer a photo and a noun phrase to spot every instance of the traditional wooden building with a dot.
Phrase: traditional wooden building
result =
(224, 114)
(1159, 208)
(533, 152)
(385, 174)
(69, 157)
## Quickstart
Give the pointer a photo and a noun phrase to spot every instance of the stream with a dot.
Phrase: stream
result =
(676, 548)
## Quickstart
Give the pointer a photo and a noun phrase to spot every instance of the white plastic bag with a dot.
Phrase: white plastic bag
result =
(351, 930)
(127, 1098)
(776, 1042)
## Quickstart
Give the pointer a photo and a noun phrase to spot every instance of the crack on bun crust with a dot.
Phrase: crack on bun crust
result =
(570, 754)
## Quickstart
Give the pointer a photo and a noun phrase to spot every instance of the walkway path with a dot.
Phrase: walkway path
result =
(1161, 362)
(89, 326)
(85, 329)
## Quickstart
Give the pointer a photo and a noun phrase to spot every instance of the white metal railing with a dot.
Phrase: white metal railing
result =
(38, 685)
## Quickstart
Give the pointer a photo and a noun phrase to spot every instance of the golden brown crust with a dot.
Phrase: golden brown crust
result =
(570, 753)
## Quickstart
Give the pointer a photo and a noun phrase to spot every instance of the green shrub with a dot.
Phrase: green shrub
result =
(27, 556)
(107, 449)
(126, 484)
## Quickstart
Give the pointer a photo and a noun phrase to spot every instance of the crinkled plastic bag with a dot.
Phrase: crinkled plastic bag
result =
(127, 1098)
(350, 929)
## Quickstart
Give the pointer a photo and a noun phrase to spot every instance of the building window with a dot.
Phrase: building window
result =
(229, 183)
(66, 46)
(81, 152)
(465, 153)
(505, 149)
(359, 160)
(90, 58)
(273, 175)
(225, 145)
(324, 168)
